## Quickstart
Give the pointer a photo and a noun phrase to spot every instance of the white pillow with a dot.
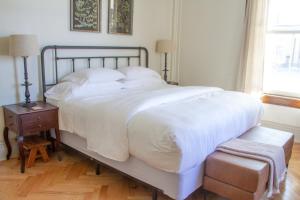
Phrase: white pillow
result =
(147, 83)
(135, 73)
(97, 75)
(61, 90)
(97, 89)
(67, 90)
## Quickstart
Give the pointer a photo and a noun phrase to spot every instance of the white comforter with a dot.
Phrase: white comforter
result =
(172, 129)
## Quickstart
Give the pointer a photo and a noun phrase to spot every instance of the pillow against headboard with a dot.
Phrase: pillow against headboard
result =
(97, 75)
(68, 90)
(136, 73)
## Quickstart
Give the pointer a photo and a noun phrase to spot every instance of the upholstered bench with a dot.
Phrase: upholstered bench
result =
(237, 178)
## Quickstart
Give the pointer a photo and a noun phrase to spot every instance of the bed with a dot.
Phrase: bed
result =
(153, 132)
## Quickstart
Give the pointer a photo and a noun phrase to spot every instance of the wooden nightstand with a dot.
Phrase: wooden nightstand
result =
(29, 121)
(172, 83)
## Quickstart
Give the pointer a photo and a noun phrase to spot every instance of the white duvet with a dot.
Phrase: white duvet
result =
(171, 128)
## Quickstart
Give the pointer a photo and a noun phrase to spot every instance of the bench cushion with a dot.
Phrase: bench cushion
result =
(231, 192)
(243, 173)
(273, 137)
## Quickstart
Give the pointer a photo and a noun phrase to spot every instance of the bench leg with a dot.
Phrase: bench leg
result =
(44, 153)
(32, 157)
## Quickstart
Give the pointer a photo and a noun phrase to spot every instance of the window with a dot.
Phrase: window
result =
(282, 56)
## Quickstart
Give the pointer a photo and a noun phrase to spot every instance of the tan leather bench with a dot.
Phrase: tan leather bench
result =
(237, 178)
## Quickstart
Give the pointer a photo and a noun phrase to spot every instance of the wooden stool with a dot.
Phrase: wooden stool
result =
(36, 145)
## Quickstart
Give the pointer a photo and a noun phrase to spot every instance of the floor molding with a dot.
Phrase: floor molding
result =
(293, 129)
(3, 150)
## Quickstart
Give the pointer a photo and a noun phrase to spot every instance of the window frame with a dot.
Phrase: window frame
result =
(281, 100)
(274, 97)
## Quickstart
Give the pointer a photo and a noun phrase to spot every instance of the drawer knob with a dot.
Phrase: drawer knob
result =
(39, 117)
(11, 124)
(40, 125)
(10, 116)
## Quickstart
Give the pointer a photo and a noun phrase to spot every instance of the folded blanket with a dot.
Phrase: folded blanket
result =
(273, 155)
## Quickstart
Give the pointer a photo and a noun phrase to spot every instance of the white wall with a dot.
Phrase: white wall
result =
(210, 52)
(49, 19)
(210, 42)
(283, 118)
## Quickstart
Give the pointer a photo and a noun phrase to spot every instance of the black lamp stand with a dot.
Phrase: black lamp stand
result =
(166, 67)
(28, 102)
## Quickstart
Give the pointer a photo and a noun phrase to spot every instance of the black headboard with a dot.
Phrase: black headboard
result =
(139, 53)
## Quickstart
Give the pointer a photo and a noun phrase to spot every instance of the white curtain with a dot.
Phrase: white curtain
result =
(250, 77)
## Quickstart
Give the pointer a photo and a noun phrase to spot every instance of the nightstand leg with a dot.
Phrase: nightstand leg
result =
(48, 135)
(7, 143)
(21, 151)
(58, 141)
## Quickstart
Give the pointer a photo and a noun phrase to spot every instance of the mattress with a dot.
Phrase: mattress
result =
(172, 129)
(174, 185)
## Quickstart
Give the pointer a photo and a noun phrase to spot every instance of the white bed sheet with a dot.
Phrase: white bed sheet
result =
(169, 128)
(180, 135)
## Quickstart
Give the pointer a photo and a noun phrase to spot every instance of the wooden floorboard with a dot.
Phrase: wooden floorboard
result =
(74, 179)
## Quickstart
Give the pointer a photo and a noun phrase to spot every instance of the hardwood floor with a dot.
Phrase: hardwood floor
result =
(74, 179)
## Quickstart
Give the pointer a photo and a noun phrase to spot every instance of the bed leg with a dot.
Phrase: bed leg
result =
(204, 194)
(154, 195)
(98, 170)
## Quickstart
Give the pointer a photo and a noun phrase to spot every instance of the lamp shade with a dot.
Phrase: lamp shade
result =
(23, 45)
(164, 46)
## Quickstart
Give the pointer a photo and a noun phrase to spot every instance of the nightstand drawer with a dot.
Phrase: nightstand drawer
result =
(36, 122)
(10, 120)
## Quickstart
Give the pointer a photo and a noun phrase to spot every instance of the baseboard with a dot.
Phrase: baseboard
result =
(3, 150)
(293, 129)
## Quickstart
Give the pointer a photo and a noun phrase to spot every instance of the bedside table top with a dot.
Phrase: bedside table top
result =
(19, 109)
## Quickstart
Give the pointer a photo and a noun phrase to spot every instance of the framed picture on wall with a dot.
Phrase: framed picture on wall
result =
(86, 15)
(120, 17)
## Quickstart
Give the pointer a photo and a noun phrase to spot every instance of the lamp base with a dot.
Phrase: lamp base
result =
(29, 105)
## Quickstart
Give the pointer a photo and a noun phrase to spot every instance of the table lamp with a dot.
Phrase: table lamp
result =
(24, 46)
(165, 47)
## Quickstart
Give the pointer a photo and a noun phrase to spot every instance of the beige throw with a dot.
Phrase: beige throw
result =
(274, 155)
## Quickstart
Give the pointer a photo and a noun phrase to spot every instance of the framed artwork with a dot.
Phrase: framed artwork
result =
(85, 15)
(120, 17)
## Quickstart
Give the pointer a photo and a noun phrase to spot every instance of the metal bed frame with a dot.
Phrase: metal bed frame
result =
(139, 51)
(57, 58)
